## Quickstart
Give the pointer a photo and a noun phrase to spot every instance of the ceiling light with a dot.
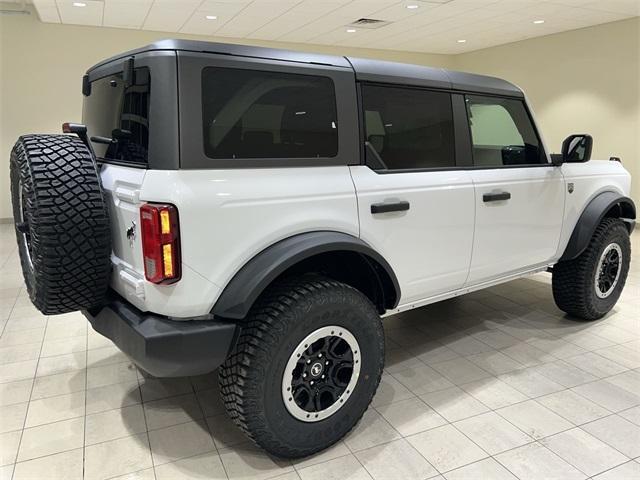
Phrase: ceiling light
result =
(462, 41)
(79, 4)
(211, 17)
(351, 30)
(538, 22)
(412, 7)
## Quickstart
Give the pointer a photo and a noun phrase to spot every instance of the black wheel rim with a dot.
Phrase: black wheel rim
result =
(608, 272)
(321, 373)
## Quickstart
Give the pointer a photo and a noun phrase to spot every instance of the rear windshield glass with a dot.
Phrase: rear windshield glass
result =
(117, 117)
(253, 114)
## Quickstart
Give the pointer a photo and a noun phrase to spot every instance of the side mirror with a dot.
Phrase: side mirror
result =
(577, 148)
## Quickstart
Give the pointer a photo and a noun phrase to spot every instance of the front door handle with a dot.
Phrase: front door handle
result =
(401, 206)
(496, 197)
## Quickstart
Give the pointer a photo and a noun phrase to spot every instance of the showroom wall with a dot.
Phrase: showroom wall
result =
(582, 81)
(41, 68)
(585, 80)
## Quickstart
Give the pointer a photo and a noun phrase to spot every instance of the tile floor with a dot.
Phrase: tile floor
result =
(497, 384)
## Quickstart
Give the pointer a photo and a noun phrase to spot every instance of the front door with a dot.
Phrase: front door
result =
(519, 195)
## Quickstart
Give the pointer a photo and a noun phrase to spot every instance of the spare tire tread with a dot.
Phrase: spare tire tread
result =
(68, 222)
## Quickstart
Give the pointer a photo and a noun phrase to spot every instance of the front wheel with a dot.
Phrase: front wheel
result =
(590, 285)
(306, 366)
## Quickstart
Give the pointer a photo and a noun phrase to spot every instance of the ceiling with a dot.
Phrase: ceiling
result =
(433, 26)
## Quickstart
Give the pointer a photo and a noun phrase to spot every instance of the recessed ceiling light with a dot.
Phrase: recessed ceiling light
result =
(462, 41)
(351, 30)
(538, 22)
(211, 17)
(412, 7)
(79, 4)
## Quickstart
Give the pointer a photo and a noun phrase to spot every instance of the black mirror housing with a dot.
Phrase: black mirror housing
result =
(577, 148)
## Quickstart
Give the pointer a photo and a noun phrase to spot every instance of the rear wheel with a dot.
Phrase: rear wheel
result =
(62, 223)
(306, 366)
(589, 286)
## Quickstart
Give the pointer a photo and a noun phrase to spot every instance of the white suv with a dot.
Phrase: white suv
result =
(259, 210)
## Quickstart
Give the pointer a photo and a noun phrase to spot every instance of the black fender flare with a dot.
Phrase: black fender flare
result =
(599, 207)
(258, 273)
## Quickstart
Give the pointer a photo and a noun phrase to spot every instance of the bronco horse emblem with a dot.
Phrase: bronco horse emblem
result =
(131, 233)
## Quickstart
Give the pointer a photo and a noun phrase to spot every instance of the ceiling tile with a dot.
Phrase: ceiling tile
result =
(89, 14)
(125, 14)
(435, 26)
(169, 15)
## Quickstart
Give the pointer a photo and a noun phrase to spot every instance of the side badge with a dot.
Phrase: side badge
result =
(131, 233)
(570, 187)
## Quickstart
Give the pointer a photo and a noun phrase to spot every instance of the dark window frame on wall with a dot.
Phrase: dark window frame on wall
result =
(411, 149)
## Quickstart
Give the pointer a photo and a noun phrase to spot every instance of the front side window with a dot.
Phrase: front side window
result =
(502, 132)
(254, 114)
(117, 117)
(409, 128)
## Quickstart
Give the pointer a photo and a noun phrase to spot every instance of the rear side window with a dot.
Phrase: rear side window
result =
(254, 114)
(409, 128)
(117, 117)
(502, 132)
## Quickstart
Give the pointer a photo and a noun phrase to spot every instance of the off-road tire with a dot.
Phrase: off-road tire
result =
(574, 290)
(251, 378)
(66, 261)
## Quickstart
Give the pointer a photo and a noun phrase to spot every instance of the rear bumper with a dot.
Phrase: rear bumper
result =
(163, 347)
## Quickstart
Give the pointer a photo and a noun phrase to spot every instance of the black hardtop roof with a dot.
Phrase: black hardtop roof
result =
(364, 69)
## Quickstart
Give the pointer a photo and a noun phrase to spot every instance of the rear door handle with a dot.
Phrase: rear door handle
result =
(389, 207)
(496, 197)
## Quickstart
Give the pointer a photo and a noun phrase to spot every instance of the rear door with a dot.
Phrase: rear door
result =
(415, 206)
(519, 198)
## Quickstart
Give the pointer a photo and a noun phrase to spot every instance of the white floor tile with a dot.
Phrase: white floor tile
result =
(207, 465)
(574, 407)
(617, 432)
(446, 448)
(397, 459)
(372, 430)
(487, 468)
(584, 451)
(117, 457)
(534, 419)
(180, 441)
(411, 416)
(493, 433)
(535, 462)
(250, 463)
(60, 466)
(626, 471)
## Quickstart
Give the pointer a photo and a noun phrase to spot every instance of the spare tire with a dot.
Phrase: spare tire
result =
(61, 221)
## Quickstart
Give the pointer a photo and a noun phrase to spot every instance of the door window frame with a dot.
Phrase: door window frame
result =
(463, 143)
(461, 155)
(191, 112)
(543, 152)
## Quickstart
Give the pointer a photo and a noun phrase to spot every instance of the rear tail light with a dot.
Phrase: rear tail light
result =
(160, 242)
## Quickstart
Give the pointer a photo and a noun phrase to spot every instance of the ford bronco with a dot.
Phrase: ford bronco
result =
(258, 211)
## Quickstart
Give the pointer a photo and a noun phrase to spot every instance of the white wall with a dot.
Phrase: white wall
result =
(586, 80)
(41, 68)
(582, 81)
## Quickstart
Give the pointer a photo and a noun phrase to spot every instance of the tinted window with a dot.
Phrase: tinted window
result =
(119, 114)
(502, 132)
(409, 128)
(251, 114)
